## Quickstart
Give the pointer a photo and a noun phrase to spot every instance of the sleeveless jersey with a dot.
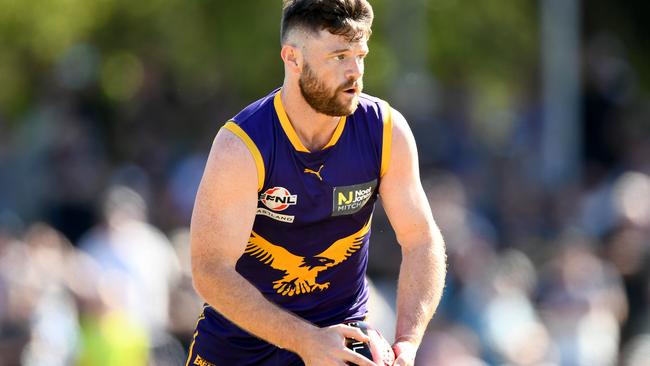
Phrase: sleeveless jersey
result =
(308, 249)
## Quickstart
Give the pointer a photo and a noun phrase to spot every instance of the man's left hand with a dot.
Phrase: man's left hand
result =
(404, 353)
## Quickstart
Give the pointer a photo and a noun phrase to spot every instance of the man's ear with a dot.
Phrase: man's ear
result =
(292, 58)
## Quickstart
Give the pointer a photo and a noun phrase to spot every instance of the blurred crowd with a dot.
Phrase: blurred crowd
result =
(122, 295)
(95, 207)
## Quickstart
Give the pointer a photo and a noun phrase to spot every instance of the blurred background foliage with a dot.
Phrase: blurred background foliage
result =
(203, 46)
(206, 51)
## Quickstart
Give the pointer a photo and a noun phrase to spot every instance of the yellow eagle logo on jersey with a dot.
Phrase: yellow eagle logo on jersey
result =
(301, 272)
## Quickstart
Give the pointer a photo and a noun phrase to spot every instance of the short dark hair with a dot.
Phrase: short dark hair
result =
(349, 18)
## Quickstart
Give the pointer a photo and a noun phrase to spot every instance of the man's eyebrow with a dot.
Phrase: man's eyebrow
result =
(343, 50)
(340, 50)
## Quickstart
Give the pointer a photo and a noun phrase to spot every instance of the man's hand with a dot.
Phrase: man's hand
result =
(404, 353)
(326, 347)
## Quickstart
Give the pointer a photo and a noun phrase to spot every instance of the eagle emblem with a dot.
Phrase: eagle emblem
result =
(300, 273)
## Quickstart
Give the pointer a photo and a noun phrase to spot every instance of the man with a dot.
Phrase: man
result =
(281, 222)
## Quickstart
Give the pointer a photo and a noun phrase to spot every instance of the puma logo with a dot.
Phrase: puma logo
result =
(316, 173)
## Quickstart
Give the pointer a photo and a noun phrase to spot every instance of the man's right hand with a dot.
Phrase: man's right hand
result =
(326, 347)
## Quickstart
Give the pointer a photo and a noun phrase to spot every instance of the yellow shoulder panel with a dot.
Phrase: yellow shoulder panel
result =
(386, 139)
(259, 162)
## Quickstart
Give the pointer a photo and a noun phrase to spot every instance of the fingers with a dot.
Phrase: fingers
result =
(404, 354)
(357, 359)
(402, 362)
(352, 332)
(331, 348)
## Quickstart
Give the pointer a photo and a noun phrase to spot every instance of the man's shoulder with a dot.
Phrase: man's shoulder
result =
(370, 99)
(369, 104)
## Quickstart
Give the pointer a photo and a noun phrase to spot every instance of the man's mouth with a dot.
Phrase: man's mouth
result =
(351, 91)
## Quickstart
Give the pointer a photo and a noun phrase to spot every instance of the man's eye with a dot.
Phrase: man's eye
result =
(340, 57)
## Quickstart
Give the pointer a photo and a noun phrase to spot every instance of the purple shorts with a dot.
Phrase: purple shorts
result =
(210, 347)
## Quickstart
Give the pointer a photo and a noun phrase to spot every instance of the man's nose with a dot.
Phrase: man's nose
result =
(355, 70)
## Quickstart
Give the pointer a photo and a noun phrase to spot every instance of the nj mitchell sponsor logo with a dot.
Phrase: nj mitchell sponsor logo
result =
(350, 199)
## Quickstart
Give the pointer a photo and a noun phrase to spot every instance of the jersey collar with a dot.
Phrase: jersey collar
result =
(291, 133)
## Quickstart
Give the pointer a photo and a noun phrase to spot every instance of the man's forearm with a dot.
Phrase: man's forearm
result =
(239, 301)
(420, 285)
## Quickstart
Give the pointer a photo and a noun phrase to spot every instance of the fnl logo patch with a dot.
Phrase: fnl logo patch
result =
(278, 198)
(350, 199)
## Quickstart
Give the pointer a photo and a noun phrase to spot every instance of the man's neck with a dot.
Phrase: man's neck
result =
(314, 129)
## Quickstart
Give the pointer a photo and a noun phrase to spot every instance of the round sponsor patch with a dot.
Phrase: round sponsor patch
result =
(278, 198)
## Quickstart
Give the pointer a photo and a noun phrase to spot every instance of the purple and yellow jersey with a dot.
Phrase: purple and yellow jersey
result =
(308, 249)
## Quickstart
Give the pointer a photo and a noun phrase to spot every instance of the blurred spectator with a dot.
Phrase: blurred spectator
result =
(637, 351)
(583, 305)
(450, 345)
(183, 185)
(139, 262)
(110, 335)
(511, 326)
(629, 252)
(609, 86)
(15, 298)
(54, 328)
(185, 303)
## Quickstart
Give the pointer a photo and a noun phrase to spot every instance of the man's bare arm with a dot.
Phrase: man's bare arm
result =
(222, 220)
(423, 267)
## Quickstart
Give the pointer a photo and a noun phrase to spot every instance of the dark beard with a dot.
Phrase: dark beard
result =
(319, 97)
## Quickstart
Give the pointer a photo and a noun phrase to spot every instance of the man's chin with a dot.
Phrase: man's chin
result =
(354, 106)
(347, 110)
(350, 105)
(343, 108)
